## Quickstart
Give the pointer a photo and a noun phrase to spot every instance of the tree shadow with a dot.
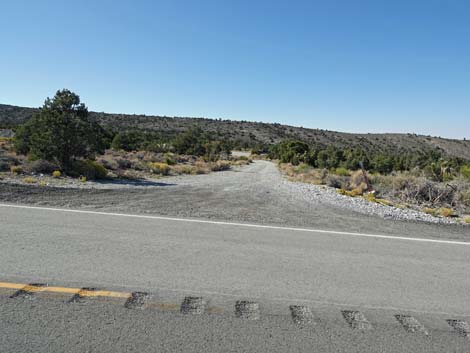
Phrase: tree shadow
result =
(132, 182)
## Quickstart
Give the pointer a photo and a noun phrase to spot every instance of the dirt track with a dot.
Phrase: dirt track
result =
(254, 194)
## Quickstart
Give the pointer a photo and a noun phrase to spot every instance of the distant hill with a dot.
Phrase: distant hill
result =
(252, 134)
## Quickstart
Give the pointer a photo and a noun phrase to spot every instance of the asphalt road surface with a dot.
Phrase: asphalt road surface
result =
(275, 267)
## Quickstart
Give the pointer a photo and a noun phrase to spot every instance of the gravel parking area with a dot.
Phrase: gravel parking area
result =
(256, 193)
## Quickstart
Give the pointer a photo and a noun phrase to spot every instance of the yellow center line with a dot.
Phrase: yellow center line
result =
(82, 292)
(62, 290)
(32, 289)
(7, 285)
(104, 293)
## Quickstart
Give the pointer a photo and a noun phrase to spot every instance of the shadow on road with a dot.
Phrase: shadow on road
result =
(135, 182)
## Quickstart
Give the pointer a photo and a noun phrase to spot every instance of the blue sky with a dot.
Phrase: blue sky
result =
(356, 66)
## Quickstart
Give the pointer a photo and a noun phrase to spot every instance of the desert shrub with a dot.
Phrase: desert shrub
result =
(128, 141)
(333, 181)
(430, 211)
(140, 166)
(30, 180)
(341, 171)
(82, 179)
(384, 202)
(466, 219)
(16, 169)
(446, 212)
(357, 178)
(219, 166)
(215, 150)
(301, 168)
(56, 174)
(197, 142)
(60, 132)
(290, 151)
(191, 142)
(243, 158)
(89, 169)
(357, 182)
(4, 166)
(123, 163)
(465, 171)
(352, 193)
(169, 159)
(201, 167)
(242, 162)
(464, 197)
(40, 166)
(108, 164)
(186, 169)
(437, 166)
(159, 168)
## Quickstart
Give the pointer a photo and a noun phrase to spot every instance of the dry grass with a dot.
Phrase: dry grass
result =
(16, 169)
(445, 199)
(159, 168)
(446, 212)
(30, 180)
(430, 211)
(304, 173)
(139, 164)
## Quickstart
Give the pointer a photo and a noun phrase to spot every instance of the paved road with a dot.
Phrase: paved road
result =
(275, 267)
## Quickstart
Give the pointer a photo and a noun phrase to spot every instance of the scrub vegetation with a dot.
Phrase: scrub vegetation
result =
(60, 140)
(430, 182)
(64, 140)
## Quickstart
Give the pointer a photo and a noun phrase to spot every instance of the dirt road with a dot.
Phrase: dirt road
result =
(256, 194)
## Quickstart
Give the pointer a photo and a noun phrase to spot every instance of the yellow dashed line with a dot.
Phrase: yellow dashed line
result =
(82, 292)
(92, 293)
(103, 293)
(62, 290)
(32, 289)
(166, 306)
(7, 285)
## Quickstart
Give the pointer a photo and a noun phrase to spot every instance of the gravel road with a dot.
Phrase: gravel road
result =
(256, 193)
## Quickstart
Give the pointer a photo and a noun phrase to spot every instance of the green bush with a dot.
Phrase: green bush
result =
(465, 171)
(290, 151)
(127, 141)
(16, 169)
(169, 159)
(465, 197)
(432, 162)
(159, 168)
(89, 169)
(4, 166)
(40, 166)
(60, 132)
(341, 171)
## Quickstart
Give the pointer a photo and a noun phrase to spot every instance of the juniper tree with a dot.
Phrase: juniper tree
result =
(60, 132)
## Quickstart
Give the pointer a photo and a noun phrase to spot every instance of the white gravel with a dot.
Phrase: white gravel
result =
(329, 195)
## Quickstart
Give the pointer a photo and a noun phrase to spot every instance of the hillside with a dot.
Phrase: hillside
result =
(251, 134)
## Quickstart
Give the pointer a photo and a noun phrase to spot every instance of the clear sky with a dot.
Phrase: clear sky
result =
(356, 66)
